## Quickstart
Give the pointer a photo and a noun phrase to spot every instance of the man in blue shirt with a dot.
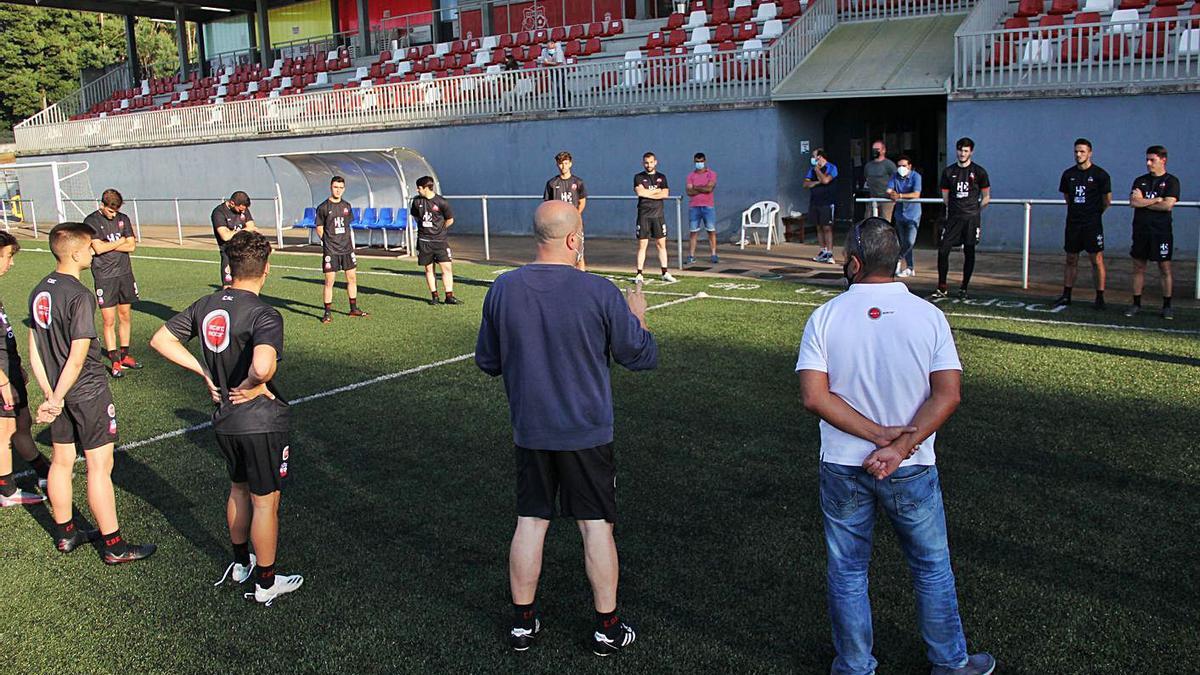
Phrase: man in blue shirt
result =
(906, 184)
(550, 331)
(821, 179)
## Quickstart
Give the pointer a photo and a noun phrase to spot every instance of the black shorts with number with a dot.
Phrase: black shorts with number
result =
(338, 262)
(959, 231)
(20, 397)
(261, 460)
(115, 291)
(226, 272)
(1150, 244)
(1084, 237)
(820, 214)
(583, 483)
(651, 227)
(89, 424)
(429, 252)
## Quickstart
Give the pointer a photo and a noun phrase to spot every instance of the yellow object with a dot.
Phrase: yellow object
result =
(300, 21)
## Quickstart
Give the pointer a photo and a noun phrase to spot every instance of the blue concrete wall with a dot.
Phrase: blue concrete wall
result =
(1026, 144)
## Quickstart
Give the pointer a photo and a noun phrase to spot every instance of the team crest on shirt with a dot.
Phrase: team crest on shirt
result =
(215, 329)
(41, 309)
(435, 208)
(112, 410)
(286, 448)
(283, 470)
(874, 313)
(99, 296)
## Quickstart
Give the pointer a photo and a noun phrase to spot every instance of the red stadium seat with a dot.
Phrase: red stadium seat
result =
(1016, 23)
(675, 38)
(572, 48)
(541, 36)
(1153, 43)
(743, 14)
(1163, 12)
(558, 33)
(615, 27)
(497, 57)
(746, 31)
(674, 21)
(592, 46)
(720, 15)
(1029, 8)
(698, 6)
(654, 39)
(508, 40)
(727, 46)
(1004, 52)
(722, 33)
(1049, 21)
(576, 32)
(1087, 25)
(1064, 7)
(426, 51)
(1133, 4)
(1114, 47)
(595, 29)
(789, 10)
(533, 53)
(657, 51)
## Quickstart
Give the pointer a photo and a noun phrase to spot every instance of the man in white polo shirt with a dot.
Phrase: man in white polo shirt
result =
(879, 367)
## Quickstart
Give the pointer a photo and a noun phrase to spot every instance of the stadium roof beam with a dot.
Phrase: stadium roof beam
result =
(195, 10)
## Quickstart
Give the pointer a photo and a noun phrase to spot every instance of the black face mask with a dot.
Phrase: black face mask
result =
(878, 154)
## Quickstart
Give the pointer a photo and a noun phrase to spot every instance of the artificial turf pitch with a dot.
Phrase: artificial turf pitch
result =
(1070, 476)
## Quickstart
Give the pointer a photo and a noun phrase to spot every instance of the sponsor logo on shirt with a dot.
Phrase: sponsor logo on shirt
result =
(112, 426)
(215, 329)
(41, 308)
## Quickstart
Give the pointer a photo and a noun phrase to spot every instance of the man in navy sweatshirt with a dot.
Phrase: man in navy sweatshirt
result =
(551, 330)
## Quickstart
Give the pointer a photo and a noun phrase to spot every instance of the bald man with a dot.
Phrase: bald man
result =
(549, 329)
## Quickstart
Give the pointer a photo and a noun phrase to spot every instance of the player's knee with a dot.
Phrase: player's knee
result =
(99, 461)
(267, 503)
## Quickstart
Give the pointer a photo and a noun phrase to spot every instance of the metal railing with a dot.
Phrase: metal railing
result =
(591, 85)
(236, 57)
(798, 41)
(1028, 205)
(319, 46)
(878, 10)
(170, 206)
(1107, 54)
(82, 100)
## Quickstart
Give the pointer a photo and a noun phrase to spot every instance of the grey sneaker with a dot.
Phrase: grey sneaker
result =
(1133, 310)
(977, 664)
(1168, 313)
(714, 260)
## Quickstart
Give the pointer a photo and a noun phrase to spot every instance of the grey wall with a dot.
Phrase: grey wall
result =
(750, 150)
(1026, 144)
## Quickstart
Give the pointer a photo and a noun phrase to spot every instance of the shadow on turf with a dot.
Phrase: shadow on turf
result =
(465, 281)
(366, 290)
(155, 309)
(1016, 338)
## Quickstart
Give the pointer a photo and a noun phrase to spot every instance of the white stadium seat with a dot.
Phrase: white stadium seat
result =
(751, 49)
(362, 73)
(771, 29)
(631, 72)
(1189, 43)
(441, 49)
(766, 12)
(482, 58)
(696, 19)
(1038, 52)
(322, 78)
(1101, 6)
(703, 69)
(489, 42)
(700, 36)
(1123, 21)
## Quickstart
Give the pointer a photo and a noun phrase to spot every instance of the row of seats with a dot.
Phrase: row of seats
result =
(1120, 21)
(386, 218)
(1032, 8)
(1088, 37)
(723, 33)
(740, 14)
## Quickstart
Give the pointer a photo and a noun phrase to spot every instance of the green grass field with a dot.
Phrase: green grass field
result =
(1070, 476)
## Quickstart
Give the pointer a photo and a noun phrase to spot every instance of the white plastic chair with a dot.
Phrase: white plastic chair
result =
(285, 83)
(700, 36)
(1189, 43)
(403, 68)
(441, 49)
(331, 56)
(1123, 21)
(766, 12)
(696, 19)
(751, 49)
(740, 3)
(631, 71)
(772, 28)
(322, 78)
(1101, 6)
(362, 73)
(1038, 52)
(252, 87)
(703, 69)
(483, 59)
(759, 216)
(490, 42)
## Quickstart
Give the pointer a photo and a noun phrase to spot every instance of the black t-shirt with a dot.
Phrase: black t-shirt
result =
(10, 359)
(231, 323)
(1153, 186)
(569, 190)
(431, 216)
(334, 219)
(62, 310)
(114, 263)
(1084, 192)
(651, 208)
(223, 216)
(966, 185)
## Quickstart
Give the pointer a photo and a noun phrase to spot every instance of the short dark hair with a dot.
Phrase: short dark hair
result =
(649, 154)
(337, 179)
(240, 198)
(700, 156)
(964, 142)
(425, 182)
(820, 152)
(6, 240)
(880, 246)
(904, 158)
(1083, 141)
(66, 236)
(247, 252)
(1157, 150)
(112, 199)
(562, 157)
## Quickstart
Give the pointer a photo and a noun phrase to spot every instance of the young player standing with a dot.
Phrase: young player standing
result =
(567, 188)
(66, 361)
(434, 218)
(241, 339)
(1153, 196)
(966, 191)
(112, 272)
(337, 247)
(1088, 191)
(651, 188)
(15, 422)
(230, 217)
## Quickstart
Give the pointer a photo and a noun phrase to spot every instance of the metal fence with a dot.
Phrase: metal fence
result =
(878, 10)
(1124, 53)
(1027, 205)
(81, 101)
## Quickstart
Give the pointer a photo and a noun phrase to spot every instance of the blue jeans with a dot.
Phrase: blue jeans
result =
(702, 217)
(907, 229)
(912, 499)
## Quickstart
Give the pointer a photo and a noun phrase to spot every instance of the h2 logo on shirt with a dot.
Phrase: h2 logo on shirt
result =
(1080, 194)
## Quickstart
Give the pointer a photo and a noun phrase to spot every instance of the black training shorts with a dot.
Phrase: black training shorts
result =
(338, 262)
(1151, 244)
(959, 230)
(20, 397)
(651, 227)
(583, 481)
(115, 291)
(261, 460)
(820, 214)
(1084, 237)
(89, 424)
(429, 252)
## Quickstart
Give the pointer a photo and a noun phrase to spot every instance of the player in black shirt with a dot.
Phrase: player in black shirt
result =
(337, 247)
(241, 341)
(112, 273)
(1087, 190)
(651, 188)
(15, 422)
(966, 191)
(66, 361)
(568, 188)
(434, 217)
(1153, 196)
(230, 217)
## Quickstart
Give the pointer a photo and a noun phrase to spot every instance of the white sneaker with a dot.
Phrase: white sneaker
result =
(899, 271)
(668, 278)
(906, 272)
(21, 498)
(820, 257)
(639, 280)
(284, 583)
(240, 573)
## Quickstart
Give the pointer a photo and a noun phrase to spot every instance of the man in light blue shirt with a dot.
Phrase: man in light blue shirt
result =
(906, 184)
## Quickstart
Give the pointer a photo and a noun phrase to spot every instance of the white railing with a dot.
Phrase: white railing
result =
(690, 79)
(97, 91)
(1028, 205)
(878, 10)
(1145, 51)
(798, 41)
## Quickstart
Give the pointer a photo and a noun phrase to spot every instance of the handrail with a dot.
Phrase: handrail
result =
(81, 100)
(878, 10)
(801, 38)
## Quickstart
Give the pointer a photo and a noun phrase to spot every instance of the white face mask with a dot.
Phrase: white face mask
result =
(903, 171)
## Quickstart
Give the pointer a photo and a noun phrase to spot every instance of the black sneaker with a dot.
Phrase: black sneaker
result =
(78, 538)
(133, 553)
(962, 294)
(327, 317)
(434, 300)
(1062, 301)
(451, 300)
(606, 644)
(1099, 304)
(521, 639)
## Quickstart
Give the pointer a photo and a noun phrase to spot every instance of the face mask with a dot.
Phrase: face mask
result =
(878, 153)
(813, 161)
(903, 171)
(699, 166)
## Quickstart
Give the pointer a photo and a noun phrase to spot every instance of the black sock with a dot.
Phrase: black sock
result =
(968, 265)
(114, 544)
(1067, 292)
(1099, 295)
(1137, 301)
(114, 355)
(353, 304)
(241, 553)
(943, 264)
(435, 295)
(124, 351)
(606, 621)
(664, 270)
(7, 487)
(639, 271)
(40, 466)
(523, 615)
(328, 306)
(1166, 302)
(266, 576)
(449, 294)
(64, 530)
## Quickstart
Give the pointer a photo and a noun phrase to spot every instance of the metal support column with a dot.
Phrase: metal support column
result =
(181, 42)
(364, 27)
(265, 55)
(201, 53)
(485, 18)
(131, 54)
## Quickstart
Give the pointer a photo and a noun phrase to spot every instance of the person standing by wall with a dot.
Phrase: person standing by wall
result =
(1153, 197)
(905, 184)
(876, 174)
(702, 210)
(821, 180)
(966, 191)
(1088, 191)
